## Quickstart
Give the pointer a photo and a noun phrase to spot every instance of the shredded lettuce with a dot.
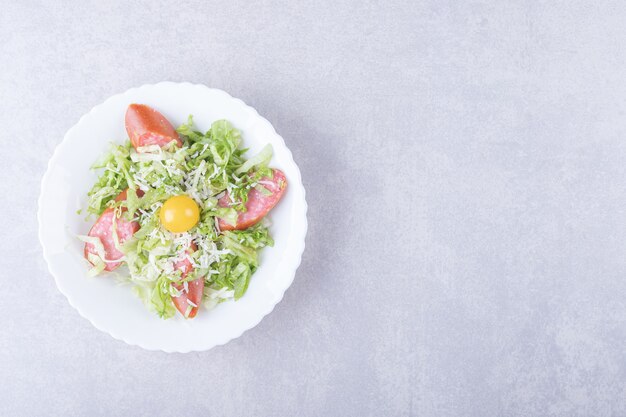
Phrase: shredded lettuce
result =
(98, 264)
(259, 160)
(160, 298)
(98, 246)
(208, 166)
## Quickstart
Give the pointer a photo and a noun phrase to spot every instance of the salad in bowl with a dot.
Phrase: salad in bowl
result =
(183, 210)
(175, 213)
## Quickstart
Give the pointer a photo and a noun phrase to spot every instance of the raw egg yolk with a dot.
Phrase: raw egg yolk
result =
(179, 214)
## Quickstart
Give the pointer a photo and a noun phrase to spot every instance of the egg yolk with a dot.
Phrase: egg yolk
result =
(179, 214)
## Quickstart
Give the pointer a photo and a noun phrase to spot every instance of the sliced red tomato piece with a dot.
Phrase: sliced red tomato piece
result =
(146, 126)
(191, 296)
(258, 204)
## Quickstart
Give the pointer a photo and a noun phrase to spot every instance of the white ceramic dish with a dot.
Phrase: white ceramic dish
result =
(113, 308)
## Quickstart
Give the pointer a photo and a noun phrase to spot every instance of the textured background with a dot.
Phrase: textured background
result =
(465, 170)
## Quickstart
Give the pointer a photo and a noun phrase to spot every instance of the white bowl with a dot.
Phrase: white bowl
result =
(113, 308)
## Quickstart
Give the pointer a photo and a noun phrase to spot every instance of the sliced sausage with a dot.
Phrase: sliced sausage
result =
(146, 126)
(194, 290)
(258, 204)
(103, 229)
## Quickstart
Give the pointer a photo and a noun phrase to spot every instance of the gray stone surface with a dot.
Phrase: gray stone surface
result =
(465, 169)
